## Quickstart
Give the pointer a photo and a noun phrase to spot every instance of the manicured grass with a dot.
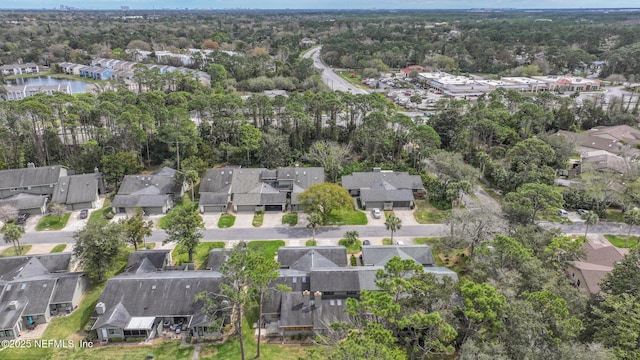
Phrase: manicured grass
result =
(291, 219)
(150, 246)
(231, 348)
(58, 248)
(200, 255)
(311, 243)
(11, 251)
(386, 241)
(388, 213)
(98, 216)
(351, 249)
(426, 213)
(347, 217)
(269, 247)
(52, 222)
(620, 240)
(162, 223)
(258, 219)
(356, 80)
(226, 221)
(615, 216)
(167, 350)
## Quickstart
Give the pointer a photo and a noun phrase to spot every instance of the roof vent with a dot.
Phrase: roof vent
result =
(13, 305)
(188, 286)
(153, 287)
(44, 285)
(100, 308)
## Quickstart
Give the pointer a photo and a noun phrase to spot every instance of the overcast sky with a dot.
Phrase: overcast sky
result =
(318, 4)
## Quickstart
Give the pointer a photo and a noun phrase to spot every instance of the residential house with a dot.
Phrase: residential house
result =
(19, 92)
(78, 191)
(34, 288)
(321, 281)
(18, 69)
(598, 261)
(30, 180)
(27, 203)
(154, 193)
(383, 189)
(255, 189)
(147, 302)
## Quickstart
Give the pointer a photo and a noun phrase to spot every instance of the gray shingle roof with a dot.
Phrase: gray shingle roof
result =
(24, 201)
(368, 195)
(400, 180)
(65, 287)
(165, 293)
(164, 184)
(208, 199)
(127, 201)
(290, 254)
(244, 180)
(8, 317)
(302, 176)
(38, 293)
(294, 313)
(76, 189)
(14, 266)
(25, 177)
(380, 255)
(217, 180)
(216, 258)
(155, 257)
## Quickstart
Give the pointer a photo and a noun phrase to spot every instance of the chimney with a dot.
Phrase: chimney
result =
(95, 170)
(306, 296)
(13, 305)
(100, 308)
(31, 165)
(317, 299)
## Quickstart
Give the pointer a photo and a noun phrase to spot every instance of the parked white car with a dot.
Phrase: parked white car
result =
(376, 213)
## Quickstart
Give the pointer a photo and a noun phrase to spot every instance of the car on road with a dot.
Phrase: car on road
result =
(376, 213)
(563, 212)
(582, 212)
(84, 213)
(366, 242)
(22, 218)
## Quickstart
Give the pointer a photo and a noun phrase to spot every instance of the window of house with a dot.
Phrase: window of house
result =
(304, 279)
(295, 280)
(112, 332)
(9, 333)
(1, 334)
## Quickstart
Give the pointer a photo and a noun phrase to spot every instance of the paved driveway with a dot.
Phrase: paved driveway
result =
(406, 216)
(75, 223)
(210, 220)
(244, 220)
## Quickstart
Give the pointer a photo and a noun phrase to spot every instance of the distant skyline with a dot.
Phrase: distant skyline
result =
(320, 4)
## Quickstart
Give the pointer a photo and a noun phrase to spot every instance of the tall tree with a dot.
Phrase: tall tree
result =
(137, 229)
(393, 223)
(12, 234)
(182, 228)
(57, 209)
(97, 248)
(631, 218)
(523, 205)
(590, 218)
(330, 155)
(324, 198)
(314, 220)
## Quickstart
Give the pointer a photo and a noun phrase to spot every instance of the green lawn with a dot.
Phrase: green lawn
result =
(52, 222)
(347, 217)
(200, 254)
(615, 216)
(426, 213)
(10, 251)
(311, 243)
(186, 201)
(226, 221)
(386, 241)
(98, 216)
(258, 219)
(59, 248)
(620, 240)
(231, 349)
(268, 247)
(291, 219)
(351, 249)
(167, 350)
(150, 246)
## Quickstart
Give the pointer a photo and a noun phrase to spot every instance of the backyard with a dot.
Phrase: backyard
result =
(347, 217)
(620, 241)
(426, 213)
(200, 254)
(269, 248)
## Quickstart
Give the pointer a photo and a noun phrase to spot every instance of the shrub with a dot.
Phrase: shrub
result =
(354, 262)
(116, 339)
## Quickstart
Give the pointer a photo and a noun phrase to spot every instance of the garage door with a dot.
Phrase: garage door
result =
(273, 208)
(401, 204)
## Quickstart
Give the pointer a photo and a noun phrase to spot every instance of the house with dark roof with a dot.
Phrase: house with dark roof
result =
(598, 261)
(30, 189)
(78, 191)
(154, 193)
(34, 288)
(147, 301)
(255, 189)
(321, 281)
(383, 189)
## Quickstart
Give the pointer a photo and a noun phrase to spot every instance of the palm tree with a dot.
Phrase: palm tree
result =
(393, 223)
(631, 218)
(13, 233)
(314, 220)
(351, 236)
(590, 218)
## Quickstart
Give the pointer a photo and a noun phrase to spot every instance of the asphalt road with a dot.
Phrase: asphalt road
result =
(325, 232)
(331, 79)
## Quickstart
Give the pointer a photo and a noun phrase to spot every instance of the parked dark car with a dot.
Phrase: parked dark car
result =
(84, 213)
(366, 242)
(22, 218)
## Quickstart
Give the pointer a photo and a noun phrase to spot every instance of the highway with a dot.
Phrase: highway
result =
(330, 78)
